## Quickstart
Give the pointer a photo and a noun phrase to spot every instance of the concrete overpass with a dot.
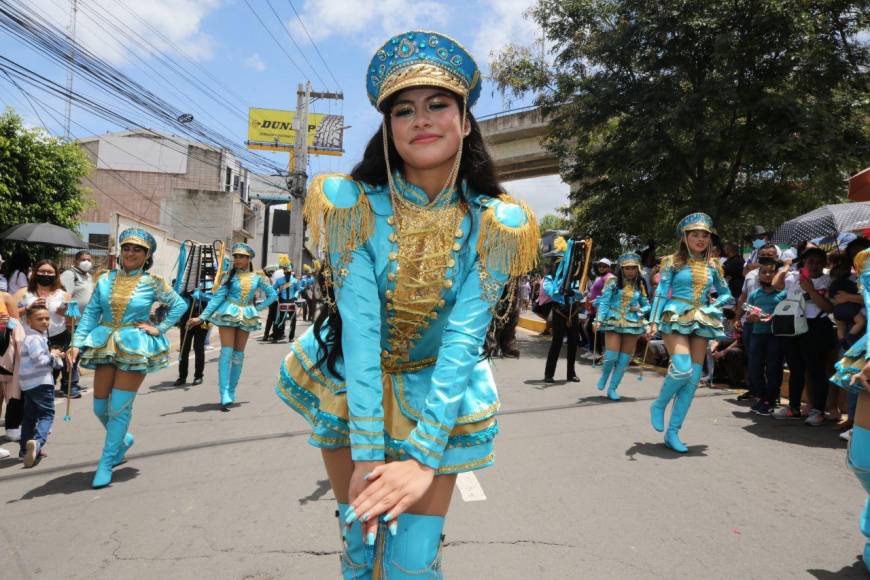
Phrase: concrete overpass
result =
(514, 141)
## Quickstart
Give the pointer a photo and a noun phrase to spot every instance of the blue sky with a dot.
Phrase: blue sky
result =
(223, 43)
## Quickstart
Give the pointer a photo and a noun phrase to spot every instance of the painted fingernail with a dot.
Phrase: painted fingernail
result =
(370, 538)
(394, 527)
(388, 517)
(350, 517)
(367, 476)
(365, 517)
(343, 533)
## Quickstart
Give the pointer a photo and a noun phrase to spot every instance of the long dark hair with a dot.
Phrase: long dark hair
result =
(476, 168)
(31, 283)
(639, 282)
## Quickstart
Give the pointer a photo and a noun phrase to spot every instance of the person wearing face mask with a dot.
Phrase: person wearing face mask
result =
(44, 289)
(759, 238)
(807, 354)
(688, 318)
(79, 283)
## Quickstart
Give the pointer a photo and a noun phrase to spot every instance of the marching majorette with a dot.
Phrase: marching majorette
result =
(853, 374)
(565, 315)
(687, 317)
(621, 313)
(117, 339)
(420, 242)
(233, 311)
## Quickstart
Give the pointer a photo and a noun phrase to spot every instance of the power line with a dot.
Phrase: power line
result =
(281, 46)
(314, 44)
(293, 40)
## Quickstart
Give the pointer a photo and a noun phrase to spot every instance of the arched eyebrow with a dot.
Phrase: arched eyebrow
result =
(439, 93)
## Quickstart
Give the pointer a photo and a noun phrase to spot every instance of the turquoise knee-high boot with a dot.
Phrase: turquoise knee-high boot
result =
(679, 372)
(224, 369)
(355, 562)
(101, 410)
(238, 360)
(618, 371)
(415, 551)
(610, 357)
(120, 412)
(859, 461)
(680, 409)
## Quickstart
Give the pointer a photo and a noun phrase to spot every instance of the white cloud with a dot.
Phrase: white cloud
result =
(112, 29)
(503, 22)
(369, 21)
(543, 194)
(255, 62)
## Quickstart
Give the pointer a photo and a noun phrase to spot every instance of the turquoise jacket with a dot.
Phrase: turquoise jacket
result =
(552, 290)
(233, 302)
(292, 291)
(107, 332)
(616, 303)
(683, 302)
(416, 287)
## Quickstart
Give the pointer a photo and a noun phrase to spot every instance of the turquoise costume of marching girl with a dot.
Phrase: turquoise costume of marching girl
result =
(107, 334)
(623, 311)
(416, 283)
(233, 305)
(682, 305)
(852, 363)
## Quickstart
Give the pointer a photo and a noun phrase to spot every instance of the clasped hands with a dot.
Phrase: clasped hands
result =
(388, 489)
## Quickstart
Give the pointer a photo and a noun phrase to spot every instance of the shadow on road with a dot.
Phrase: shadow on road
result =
(856, 570)
(75, 482)
(9, 461)
(659, 450)
(170, 386)
(601, 399)
(788, 431)
(202, 408)
(323, 488)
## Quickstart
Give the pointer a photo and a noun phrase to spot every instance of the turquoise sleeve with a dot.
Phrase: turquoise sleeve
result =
(216, 300)
(602, 303)
(91, 316)
(269, 291)
(177, 308)
(661, 295)
(724, 293)
(458, 354)
(360, 308)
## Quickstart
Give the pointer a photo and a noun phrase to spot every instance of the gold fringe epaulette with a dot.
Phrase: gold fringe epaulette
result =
(502, 248)
(862, 261)
(667, 263)
(339, 229)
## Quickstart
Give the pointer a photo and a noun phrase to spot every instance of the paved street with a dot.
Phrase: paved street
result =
(582, 488)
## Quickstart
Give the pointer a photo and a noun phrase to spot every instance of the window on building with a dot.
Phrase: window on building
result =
(235, 183)
(229, 180)
(98, 241)
(281, 222)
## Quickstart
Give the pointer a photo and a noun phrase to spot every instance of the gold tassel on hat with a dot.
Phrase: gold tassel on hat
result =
(340, 229)
(513, 251)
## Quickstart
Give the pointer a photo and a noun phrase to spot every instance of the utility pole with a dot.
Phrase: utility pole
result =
(70, 67)
(298, 178)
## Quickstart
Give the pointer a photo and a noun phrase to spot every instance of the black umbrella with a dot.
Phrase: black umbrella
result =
(45, 234)
(828, 220)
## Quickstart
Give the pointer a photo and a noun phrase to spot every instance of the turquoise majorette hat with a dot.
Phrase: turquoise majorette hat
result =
(243, 249)
(629, 259)
(695, 221)
(138, 237)
(420, 58)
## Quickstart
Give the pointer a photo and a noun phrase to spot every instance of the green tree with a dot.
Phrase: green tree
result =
(552, 222)
(39, 176)
(750, 110)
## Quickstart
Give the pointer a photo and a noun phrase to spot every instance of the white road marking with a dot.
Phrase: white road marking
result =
(469, 488)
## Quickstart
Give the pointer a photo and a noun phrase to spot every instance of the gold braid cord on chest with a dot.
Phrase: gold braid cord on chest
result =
(427, 238)
(123, 287)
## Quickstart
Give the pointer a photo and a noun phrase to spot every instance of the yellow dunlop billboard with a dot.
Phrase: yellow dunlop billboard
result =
(272, 130)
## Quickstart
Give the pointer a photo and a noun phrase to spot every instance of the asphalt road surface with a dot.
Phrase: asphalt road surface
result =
(582, 488)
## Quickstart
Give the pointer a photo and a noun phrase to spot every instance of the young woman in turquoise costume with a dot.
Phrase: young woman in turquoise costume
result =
(420, 243)
(687, 316)
(116, 338)
(622, 309)
(853, 374)
(232, 310)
